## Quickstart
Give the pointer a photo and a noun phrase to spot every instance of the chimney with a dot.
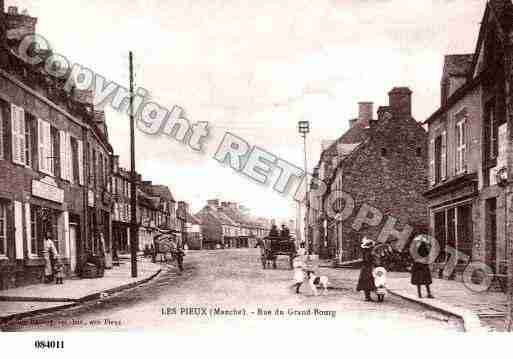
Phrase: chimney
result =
(352, 122)
(365, 110)
(213, 203)
(400, 102)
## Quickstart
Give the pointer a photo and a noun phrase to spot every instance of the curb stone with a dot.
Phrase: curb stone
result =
(471, 322)
(75, 302)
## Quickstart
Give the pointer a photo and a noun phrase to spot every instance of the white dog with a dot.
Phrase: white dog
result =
(314, 281)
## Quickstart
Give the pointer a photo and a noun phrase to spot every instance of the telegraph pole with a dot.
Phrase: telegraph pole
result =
(304, 129)
(134, 231)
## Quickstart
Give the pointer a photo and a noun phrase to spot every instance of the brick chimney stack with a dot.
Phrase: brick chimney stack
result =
(213, 203)
(365, 110)
(400, 102)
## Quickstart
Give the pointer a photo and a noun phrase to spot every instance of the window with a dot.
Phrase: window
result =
(453, 229)
(101, 176)
(44, 146)
(28, 139)
(418, 153)
(3, 229)
(461, 146)
(55, 163)
(94, 167)
(383, 152)
(74, 160)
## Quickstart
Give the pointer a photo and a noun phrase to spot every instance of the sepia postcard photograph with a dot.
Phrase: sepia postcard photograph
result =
(191, 167)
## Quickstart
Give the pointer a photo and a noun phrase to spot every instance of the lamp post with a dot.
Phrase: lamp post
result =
(134, 230)
(304, 129)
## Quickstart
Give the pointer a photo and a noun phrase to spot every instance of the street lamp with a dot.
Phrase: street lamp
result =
(304, 129)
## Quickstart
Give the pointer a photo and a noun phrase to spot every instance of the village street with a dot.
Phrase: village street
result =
(234, 282)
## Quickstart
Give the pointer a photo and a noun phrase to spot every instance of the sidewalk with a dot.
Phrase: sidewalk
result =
(40, 298)
(452, 297)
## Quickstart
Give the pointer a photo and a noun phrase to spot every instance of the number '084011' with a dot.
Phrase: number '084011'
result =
(49, 344)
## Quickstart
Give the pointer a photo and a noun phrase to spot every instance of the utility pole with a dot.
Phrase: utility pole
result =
(304, 129)
(134, 231)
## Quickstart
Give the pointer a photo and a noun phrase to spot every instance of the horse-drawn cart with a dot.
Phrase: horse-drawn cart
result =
(272, 247)
(166, 244)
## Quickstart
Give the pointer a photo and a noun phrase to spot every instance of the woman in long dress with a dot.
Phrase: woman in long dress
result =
(50, 254)
(366, 280)
(420, 271)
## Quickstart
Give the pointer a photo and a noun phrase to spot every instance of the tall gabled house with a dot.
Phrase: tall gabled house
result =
(469, 139)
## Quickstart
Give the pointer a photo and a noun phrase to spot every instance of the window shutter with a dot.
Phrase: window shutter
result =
(80, 162)
(62, 148)
(65, 220)
(443, 159)
(1, 132)
(18, 229)
(21, 135)
(432, 161)
(15, 135)
(69, 167)
(28, 229)
(464, 137)
(49, 148)
(41, 146)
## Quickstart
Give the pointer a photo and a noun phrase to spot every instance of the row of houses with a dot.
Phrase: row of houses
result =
(59, 175)
(449, 175)
(230, 225)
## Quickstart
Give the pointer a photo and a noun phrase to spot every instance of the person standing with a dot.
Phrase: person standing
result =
(366, 280)
(420, 271)
(285, 232)
(101, 254)
(50, 255)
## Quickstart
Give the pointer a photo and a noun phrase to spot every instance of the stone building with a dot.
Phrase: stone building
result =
(54, 165)
(469, 138)
(380, 164)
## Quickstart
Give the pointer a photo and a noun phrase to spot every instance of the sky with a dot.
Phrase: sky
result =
(256, 68)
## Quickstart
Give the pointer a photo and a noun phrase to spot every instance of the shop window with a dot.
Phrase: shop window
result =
(3, 229)
(453, 229)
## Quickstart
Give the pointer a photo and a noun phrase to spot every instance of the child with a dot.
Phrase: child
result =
(59, 272)
(380, 278)
(299, 275)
